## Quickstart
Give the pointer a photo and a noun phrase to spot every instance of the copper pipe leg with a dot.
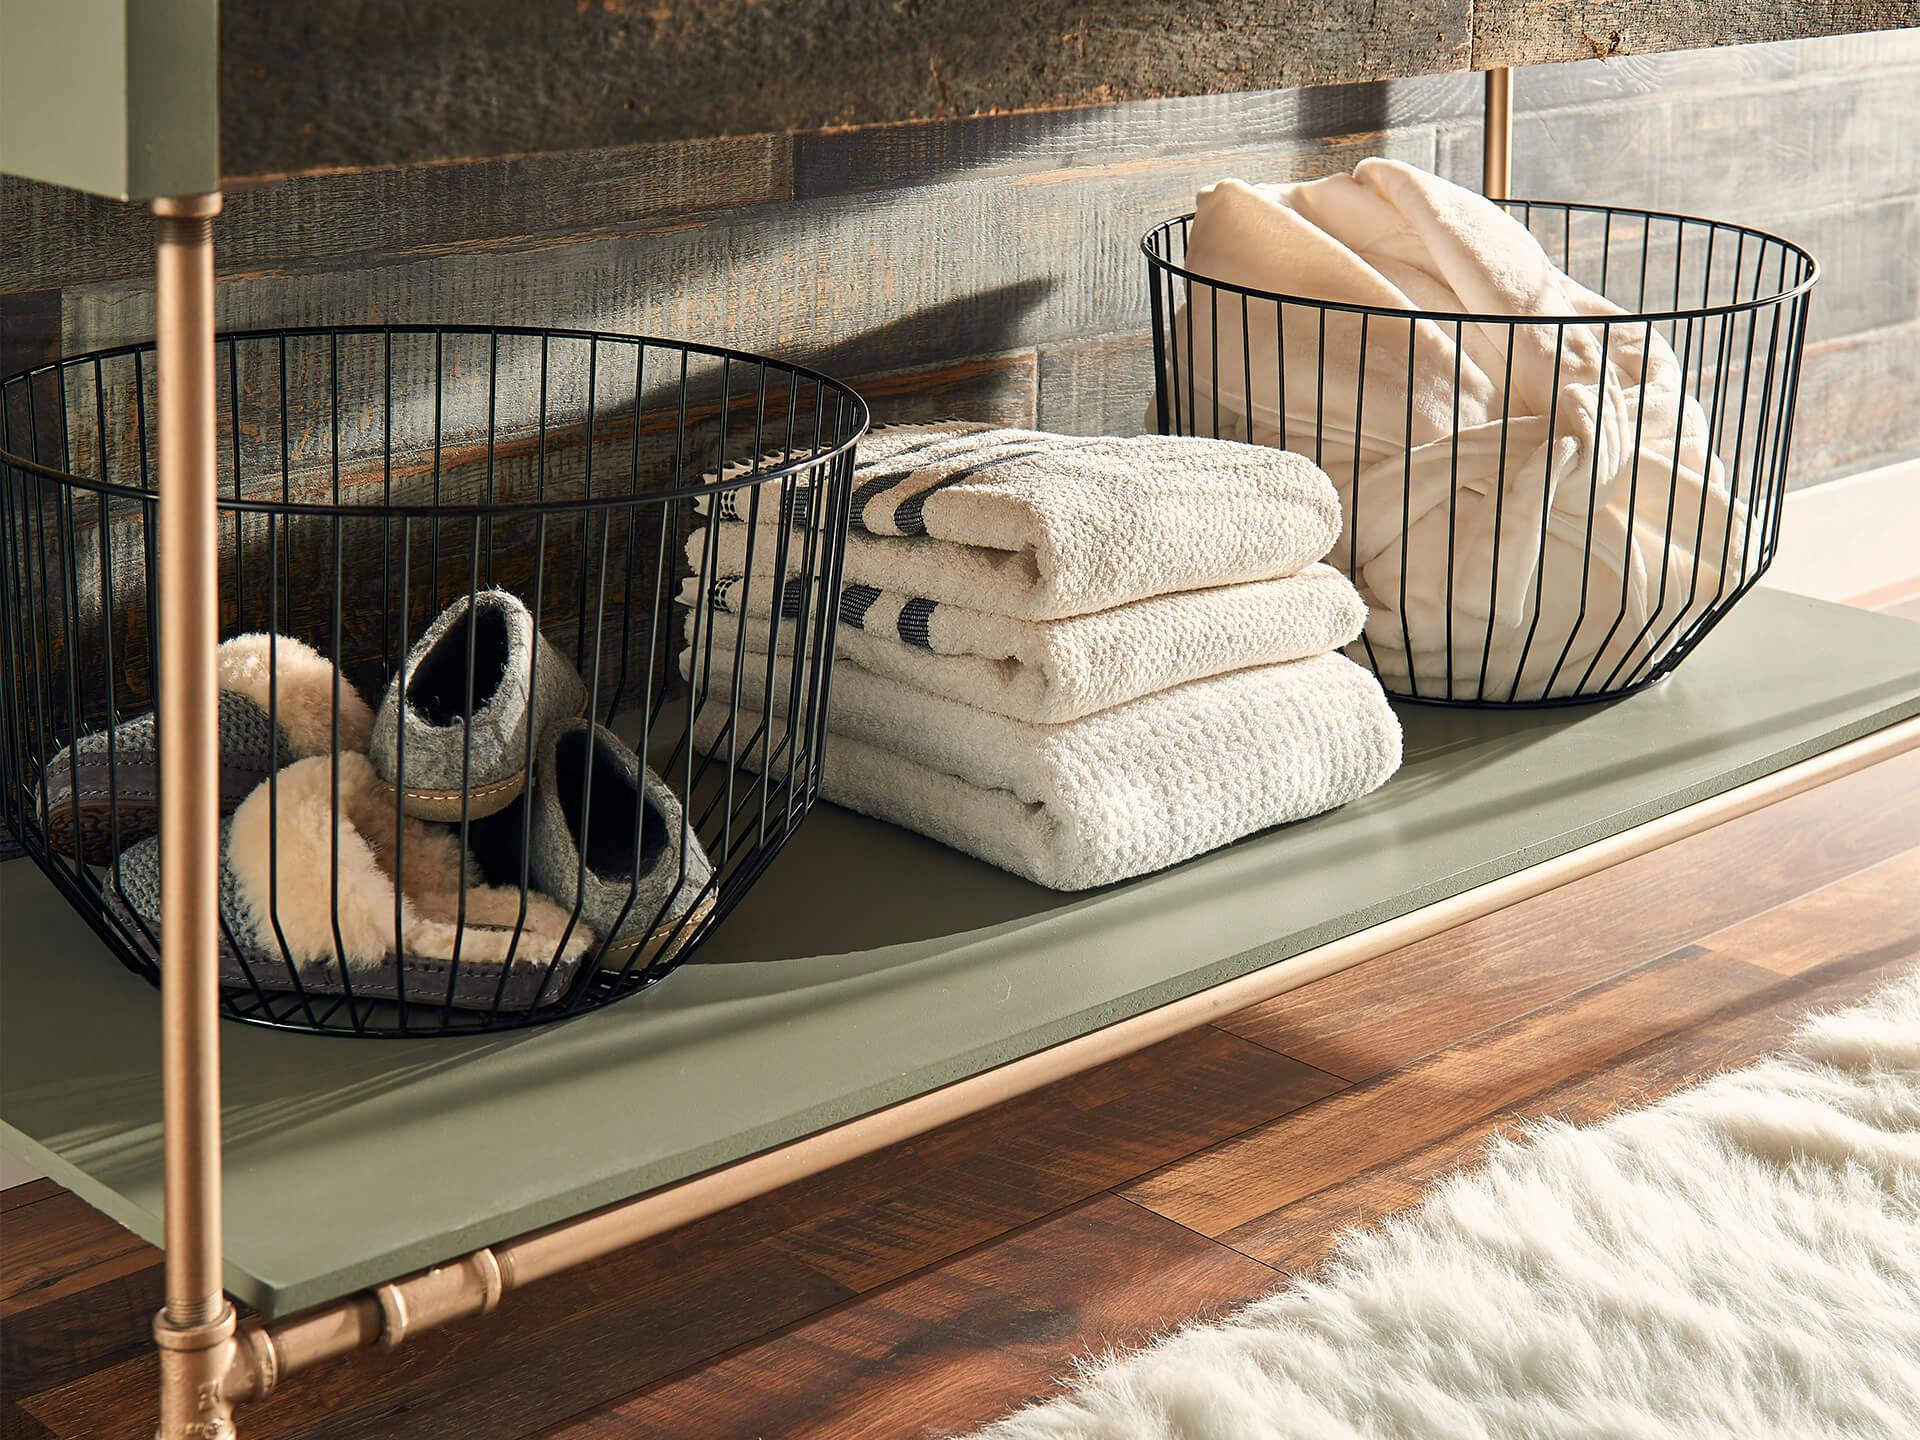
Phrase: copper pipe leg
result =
(1496, 164)
(195, 1331)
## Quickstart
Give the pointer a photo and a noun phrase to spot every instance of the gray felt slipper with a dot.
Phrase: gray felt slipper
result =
(459, 730)
(103, 791)
(608, 834)
(285, 928)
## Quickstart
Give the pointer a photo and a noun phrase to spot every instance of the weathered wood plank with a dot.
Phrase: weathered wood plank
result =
(1743, 154)
(852, 284)
(29, 325)
(379, 82)
(389, 82)
(1857, 406)
(337, 220)
(1532, 32)
(1101, 386)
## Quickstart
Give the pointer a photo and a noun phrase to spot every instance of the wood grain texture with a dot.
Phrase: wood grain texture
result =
(875, 1219)
(1873, 916)
(378, 82)
(340, 219)
(1696, 152)
(1297, 1236)
(1529, 32)
(1276, 1164)
(54, 1239)
(613, 1326)
(956, 1345)
(736, 1276)
(1856, 409)
(1371, 1019)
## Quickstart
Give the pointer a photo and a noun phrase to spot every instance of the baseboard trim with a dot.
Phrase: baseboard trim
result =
(1850, 537)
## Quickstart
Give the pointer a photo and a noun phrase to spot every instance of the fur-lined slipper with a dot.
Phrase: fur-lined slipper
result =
(457, 752)
(632, 886)
(106, 786)
(307, 912)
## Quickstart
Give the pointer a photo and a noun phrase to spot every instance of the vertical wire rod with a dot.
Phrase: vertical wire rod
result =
(195, 1330)
(1496, 164)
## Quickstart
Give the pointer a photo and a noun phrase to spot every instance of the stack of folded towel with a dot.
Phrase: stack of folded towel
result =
(1078, 659)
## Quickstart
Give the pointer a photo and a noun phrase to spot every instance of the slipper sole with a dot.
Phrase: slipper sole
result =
(102, 809)
(444, 806)
(659, 947)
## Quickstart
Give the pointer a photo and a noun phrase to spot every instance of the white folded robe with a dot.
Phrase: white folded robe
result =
(1051, 671)
(1019, 522)
(1131, 789)
(1583, 401)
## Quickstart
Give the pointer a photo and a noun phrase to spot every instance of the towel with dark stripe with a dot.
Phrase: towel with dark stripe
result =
(1020, 522)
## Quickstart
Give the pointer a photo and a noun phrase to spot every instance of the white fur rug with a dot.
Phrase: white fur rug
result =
(1741, 1260)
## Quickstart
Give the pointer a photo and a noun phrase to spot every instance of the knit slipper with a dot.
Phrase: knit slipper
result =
(105, 787)
(632, 885)
(273, 888)
(473, 756)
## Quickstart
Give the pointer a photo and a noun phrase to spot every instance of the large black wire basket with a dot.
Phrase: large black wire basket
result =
(495, 746)
(1541, 572)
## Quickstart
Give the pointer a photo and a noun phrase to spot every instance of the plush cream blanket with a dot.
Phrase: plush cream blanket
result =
(1579, 445)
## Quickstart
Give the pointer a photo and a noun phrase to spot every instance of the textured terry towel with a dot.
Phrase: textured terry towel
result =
(1574, 411)
(1017, 522)
(1049, 671)
(1120, 793)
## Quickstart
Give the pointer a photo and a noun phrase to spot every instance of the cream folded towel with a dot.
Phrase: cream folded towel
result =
(1049, 671)
(1018, 522)
(1128, 790)
(1596, 573)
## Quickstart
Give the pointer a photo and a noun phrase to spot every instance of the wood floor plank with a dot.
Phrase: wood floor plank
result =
(603, 1330)
(27, 1193)
(1280, 1162)
(46, 1244)
(657, 1308)
(1298, 1236)
(1373, 1017)
(104, 1318)
(903, 1207)
(16, 1424)
(955, 1345)
(1876, 912)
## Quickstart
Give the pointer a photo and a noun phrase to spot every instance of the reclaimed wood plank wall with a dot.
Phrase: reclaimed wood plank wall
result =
(989, 267)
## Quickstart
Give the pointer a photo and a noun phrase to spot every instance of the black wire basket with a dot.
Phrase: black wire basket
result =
(1566, 551)
(492, 753)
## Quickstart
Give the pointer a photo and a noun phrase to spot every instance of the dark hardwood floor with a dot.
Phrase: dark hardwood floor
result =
(942, 1282)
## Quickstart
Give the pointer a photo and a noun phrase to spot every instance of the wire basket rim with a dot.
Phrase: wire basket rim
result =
(147, 495)
(1158, 261)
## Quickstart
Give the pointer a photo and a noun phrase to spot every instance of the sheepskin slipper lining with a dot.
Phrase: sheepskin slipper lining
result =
(103, 792)
(279, 850)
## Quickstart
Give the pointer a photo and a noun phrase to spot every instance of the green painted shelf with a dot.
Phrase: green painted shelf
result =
(352, 1162)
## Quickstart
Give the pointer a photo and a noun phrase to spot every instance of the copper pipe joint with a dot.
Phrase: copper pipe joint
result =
(195, 1361)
